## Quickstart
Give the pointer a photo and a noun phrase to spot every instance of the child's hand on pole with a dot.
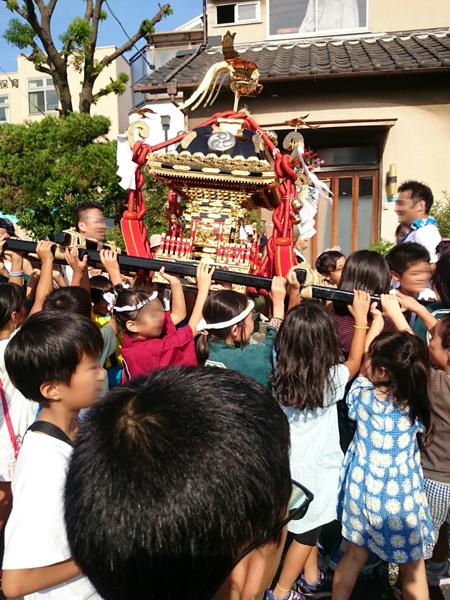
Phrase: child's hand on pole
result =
(277, 295)
(44, 251)
(360, 308)
(73, 260)
(171, 279)
(204, 276)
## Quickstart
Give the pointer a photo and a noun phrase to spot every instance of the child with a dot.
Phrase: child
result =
(71, 299)
(111, 359)
(308, 381)
(228, 326)
(181, 479)
(382, 504)
(411, 270)
(435, 458)
(52, 360)
(330, 264)
(363, 270)
(441, 286)
(16, 412)
(151, 340)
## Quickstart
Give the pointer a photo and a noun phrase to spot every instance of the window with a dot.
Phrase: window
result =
(244, 12)
(350, 217)
(42, 96)
(4, 109)
(303, 17)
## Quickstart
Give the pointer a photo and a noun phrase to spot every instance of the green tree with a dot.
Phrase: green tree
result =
(48, 166)
(441, 212)
(33, 31)
(155, 198)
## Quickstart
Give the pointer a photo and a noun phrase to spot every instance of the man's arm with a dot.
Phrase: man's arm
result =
(20, 582)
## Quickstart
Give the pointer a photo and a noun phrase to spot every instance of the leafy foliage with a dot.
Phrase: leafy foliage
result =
(441, 212)
(116, 86)
(19, 34)
(78, 45)
(47, 167)
(382, 246)
(155, 198)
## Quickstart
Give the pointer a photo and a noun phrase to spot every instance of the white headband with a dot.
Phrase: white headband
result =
(202, 325)
(127, 308)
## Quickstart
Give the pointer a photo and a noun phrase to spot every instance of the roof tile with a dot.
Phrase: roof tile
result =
(387, 53)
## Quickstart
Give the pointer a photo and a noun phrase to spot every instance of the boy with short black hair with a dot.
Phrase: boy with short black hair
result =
(410, 268)
(195, 483)
(330, 264)
(411, 273)
(52, 360)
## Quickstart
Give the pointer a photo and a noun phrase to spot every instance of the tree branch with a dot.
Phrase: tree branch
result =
(19, 11)
(88, 11)
(31, 18)
(41, 6)
(39, 68)
(51, 7)
(134, 38)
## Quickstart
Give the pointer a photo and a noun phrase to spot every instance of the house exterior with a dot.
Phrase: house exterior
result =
(372, 75)
(28, 95)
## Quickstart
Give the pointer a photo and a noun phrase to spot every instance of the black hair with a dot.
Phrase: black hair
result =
(364, 270)
(82, 207)
(73, 299)
(401, 257)
(402, 232)
(49, 347)
(12, 299)
(443, 246)
(129, 297)
(444, 332)
(419, 191)
(326, 262)
(220, 306)
(99, 285)
(307, 347)
(171, 477)
(8, 225)
(404, 356)
(441, 278)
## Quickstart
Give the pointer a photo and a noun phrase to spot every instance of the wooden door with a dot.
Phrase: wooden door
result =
(350, 217)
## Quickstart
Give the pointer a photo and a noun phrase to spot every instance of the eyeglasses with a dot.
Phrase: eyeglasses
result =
(298, 504)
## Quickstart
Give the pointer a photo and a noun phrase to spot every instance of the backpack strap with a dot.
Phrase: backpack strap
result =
(51, 430)
(9, 424)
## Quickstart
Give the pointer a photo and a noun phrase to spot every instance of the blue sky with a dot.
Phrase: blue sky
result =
(130, 13)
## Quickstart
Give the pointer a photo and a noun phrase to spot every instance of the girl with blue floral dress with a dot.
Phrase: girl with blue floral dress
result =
(382, 504)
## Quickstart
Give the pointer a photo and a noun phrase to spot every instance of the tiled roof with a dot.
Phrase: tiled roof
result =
(393, 53)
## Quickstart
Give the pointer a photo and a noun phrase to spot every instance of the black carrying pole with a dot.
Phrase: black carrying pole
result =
(134, 263)
(336, 295)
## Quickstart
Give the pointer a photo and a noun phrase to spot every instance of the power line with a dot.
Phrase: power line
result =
(150, 66)
(27, 96)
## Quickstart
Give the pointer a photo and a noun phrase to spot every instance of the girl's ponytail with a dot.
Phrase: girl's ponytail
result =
(219, 307)
(405, 358)
(202, 348)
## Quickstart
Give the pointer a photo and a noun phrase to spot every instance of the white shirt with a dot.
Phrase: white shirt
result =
(428, 236)
(316, 455)
(22, 413)
(35, 534)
